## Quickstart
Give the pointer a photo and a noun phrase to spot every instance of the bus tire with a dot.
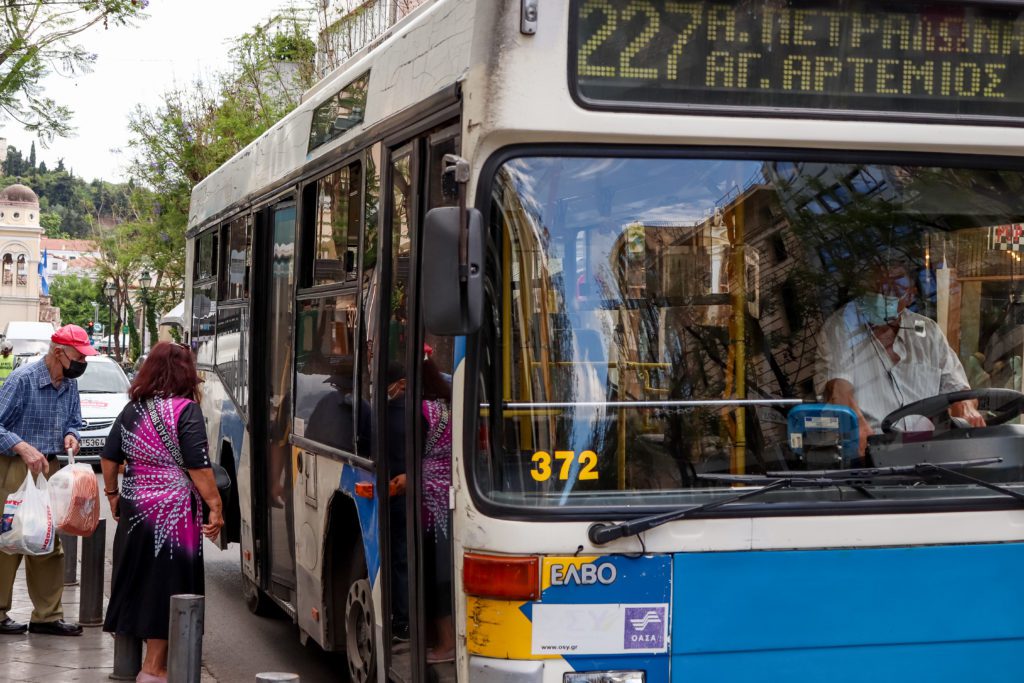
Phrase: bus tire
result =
(360, 649)
(258, 602)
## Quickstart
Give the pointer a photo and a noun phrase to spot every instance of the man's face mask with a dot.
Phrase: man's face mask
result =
(883, 306)
(879, 309)
(75, 368)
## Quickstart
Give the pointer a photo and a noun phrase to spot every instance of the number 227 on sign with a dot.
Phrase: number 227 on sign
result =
(544, 464)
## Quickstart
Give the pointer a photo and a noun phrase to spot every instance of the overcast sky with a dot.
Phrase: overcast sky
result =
(181, 39)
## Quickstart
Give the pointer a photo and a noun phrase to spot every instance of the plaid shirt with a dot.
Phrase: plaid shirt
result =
(34, 411)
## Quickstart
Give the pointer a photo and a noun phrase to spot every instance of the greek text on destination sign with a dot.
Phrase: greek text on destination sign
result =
(950, 60)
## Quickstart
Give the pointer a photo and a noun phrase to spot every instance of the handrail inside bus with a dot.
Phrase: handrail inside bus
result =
(654, 404)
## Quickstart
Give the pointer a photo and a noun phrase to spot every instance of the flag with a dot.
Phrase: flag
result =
(44, 287)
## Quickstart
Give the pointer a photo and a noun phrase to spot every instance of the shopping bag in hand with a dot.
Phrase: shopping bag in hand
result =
(26, 527)
(75, 497)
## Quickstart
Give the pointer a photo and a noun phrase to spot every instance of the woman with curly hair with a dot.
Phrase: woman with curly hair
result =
(161, 438)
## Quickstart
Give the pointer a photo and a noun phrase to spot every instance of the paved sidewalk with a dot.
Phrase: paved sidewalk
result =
(39, 658)
(51, 659)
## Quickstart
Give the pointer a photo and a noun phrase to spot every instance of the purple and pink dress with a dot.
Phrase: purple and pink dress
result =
(158, 545)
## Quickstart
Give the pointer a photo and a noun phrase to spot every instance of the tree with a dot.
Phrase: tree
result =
(13, 165)
(197, 128)
(74, 296)
(51, 223)
(36, 34)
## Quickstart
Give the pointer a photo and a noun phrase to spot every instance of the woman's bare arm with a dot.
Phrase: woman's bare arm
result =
(207, 485)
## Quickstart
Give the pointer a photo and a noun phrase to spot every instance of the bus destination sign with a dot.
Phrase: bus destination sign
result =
(955, 61)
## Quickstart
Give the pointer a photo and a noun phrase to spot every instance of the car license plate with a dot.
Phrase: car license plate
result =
(96, 442)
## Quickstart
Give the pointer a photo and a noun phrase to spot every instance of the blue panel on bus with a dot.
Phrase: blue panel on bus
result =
(586, 597)
(939, 613)
(366, 508)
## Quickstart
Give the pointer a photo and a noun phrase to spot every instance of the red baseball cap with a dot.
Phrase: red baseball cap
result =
(75, 337)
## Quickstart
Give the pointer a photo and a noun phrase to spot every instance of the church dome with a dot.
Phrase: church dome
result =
(19, 194)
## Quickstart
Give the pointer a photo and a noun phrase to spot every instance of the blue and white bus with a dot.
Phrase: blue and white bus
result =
(633, 340)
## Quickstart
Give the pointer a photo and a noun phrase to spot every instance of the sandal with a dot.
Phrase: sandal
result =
(144, 677)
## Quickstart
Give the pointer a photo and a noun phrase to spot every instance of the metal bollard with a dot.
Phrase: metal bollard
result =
(185, 645)
(70, 544)
(127, 658)
(276, 676)
(94, 548)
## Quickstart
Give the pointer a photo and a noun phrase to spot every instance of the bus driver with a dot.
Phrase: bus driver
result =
(876, 355)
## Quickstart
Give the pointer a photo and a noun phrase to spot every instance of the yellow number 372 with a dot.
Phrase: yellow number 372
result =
(542, 461)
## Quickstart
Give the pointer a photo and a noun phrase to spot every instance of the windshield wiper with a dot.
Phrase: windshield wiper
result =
(602, 533)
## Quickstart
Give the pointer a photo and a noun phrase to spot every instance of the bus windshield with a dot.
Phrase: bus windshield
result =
(660, 322)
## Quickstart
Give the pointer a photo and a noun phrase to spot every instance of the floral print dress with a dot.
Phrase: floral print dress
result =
(158, 544)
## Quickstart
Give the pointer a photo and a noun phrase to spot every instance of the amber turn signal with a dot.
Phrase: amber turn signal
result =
(501, 576)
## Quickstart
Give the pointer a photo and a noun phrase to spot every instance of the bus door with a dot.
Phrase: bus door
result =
(416, 404)
(271, 404)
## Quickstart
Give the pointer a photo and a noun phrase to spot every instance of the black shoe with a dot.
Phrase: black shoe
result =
(55, 628)
(10, 627)
(400, 633)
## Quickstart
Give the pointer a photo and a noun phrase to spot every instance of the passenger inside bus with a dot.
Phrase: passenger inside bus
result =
(876, 355)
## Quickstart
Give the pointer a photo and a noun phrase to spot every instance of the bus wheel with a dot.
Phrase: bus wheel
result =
(257, 601)
(359, 646)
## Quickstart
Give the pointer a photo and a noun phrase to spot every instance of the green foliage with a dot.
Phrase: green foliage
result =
(197, 128)
(74, 296)
(69, 207)
(36, 34)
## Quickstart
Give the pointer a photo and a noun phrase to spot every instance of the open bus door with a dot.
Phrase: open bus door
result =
(271, 404)
(418, 604)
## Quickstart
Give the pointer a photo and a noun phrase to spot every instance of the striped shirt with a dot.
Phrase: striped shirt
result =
(34, 411)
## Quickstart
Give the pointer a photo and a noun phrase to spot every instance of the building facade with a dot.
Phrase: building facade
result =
(20, 235)
(70, 257)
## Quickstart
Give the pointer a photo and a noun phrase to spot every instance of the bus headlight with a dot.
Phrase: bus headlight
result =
(604, 677)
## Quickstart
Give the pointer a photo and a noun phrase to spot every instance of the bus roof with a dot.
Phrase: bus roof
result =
(421, 55)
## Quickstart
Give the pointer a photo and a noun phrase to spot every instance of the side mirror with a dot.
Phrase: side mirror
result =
(453, 297)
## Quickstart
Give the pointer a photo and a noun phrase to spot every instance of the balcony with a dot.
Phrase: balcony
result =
(356, 29)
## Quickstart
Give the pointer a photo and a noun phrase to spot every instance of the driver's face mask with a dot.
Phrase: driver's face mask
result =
(883, 306)
(879, 309)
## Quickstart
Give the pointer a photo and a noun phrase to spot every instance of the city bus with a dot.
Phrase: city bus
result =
(632, 340)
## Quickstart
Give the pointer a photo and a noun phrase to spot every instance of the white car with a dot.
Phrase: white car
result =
(103, 390)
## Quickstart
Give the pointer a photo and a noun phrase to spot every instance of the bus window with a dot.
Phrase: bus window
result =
(394, 347)
(204, 322)
(325, 398)
(369, 281)
(230, 339)
(662, 337)
(234, 274)
(338, 208)
(206, 256)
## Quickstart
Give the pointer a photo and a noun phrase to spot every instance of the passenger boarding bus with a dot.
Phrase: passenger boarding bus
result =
(633, 340)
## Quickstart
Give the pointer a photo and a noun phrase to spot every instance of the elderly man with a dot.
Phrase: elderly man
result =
(40, 415)
(876, 355)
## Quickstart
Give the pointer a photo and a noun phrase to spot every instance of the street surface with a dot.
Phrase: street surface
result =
(238, 645)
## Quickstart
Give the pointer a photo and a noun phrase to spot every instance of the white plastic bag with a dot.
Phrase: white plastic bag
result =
(75, 497)
(26, 527)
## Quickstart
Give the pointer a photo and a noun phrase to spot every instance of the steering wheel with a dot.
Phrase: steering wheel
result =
(936, 408)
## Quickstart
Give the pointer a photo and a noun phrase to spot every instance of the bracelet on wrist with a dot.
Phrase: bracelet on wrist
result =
(115, 492)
